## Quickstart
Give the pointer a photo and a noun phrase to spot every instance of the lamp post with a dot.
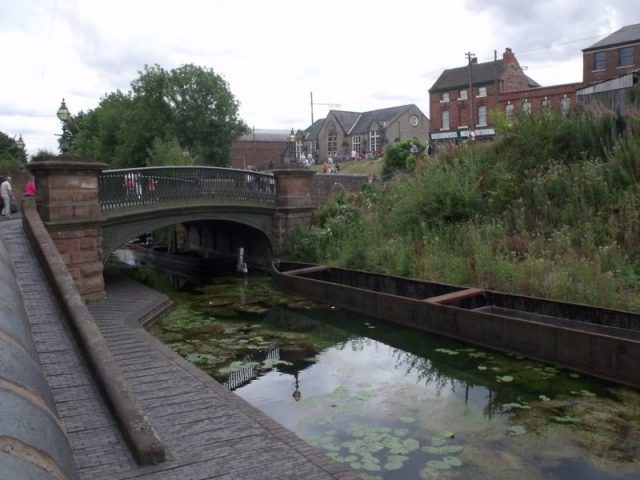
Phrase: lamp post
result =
(292, 143)
(20, 144)
(64, 116)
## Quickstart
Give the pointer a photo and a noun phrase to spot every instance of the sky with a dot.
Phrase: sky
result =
(354, 55)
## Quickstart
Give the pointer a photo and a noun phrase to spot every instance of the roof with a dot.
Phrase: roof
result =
(311, 133)
(263, 135)
(628, 34)
(481, 73)
(354, 122)
(382, 117)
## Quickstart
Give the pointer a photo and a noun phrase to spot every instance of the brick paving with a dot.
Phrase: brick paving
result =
(208, 432)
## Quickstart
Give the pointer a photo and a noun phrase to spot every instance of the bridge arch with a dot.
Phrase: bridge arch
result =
(120, 228)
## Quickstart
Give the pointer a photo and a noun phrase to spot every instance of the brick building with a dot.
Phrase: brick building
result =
(615, 55)
(611, 71)
(261, 149)
(461, 98)
(366, 133)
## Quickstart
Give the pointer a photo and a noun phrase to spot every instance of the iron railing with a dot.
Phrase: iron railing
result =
(132, 187)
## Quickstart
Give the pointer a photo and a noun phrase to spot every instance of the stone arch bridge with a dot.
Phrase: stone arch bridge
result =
(90, 211)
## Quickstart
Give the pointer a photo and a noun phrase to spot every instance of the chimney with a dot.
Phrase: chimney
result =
(508, 56)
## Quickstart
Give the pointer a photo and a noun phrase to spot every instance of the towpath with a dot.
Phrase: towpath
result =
(208, 432)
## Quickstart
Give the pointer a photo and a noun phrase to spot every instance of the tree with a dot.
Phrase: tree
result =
(190, 108)
(12, 157)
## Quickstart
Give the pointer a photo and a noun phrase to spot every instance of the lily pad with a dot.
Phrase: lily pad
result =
(407, 419)
(411, 444)
(505, 379)
(438, 465)
(447, 351)
(447, 434)
(453, 461)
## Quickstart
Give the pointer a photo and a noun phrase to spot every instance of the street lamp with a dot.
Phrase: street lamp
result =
(64, 116)
(20, 143)
(292, 143)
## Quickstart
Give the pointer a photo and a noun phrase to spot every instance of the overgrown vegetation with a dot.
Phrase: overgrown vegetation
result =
(551, 208)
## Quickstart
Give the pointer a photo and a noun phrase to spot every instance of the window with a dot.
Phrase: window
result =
(299, 148)
(526, 106)
(482, 115)
(546, 104)
(332, 143)
(444, 97)
(374, 141)
(355, 144)
(565, 104)
(599, 61)
(625, 56)
(509, 110)
(463, 94)
(482, 91)
(445, 120)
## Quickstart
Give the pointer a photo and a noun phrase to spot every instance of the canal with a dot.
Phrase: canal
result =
(395, 403)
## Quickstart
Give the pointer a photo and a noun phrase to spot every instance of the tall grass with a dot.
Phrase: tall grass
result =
(551, 208)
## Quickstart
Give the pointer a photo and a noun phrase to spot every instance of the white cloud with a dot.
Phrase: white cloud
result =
(361, 54)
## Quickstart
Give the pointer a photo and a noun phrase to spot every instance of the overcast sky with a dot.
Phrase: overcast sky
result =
(360, 54)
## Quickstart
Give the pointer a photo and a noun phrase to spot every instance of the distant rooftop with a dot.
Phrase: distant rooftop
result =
(265, 135)
(628, 34)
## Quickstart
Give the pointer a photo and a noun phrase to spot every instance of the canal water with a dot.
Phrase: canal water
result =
(395, 403)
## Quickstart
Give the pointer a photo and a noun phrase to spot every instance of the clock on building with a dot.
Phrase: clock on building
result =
(413, 120)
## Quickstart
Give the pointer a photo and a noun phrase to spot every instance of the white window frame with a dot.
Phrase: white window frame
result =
(508, 109)
(444, 97)
(463, 94)
(445, 120)
(332, 143)
(299, 148)
(355, 144)
(482, 116)
(482, 91)
(526, 107)
(546, 104)
(565, 104)
(374, 140)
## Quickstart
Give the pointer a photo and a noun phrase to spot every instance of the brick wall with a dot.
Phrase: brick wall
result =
(535, 96)
(611, 70)
(261, 155)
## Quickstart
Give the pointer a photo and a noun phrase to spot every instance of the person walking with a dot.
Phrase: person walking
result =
(30, 188)
(7, 196)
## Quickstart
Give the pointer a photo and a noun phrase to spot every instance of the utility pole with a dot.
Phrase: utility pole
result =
(471, 57)
(336, 105)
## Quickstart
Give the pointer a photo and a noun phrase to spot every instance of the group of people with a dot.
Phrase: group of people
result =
(8, 197)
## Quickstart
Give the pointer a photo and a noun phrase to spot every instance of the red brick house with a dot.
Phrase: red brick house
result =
(611, 71)
(461, 98)
(615, 55)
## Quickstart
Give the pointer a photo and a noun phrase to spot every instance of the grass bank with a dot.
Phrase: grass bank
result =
(551, 208)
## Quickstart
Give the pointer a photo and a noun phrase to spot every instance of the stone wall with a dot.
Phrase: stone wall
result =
(324, 185)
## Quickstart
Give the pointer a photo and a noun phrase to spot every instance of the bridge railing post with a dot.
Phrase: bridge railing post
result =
(68, 203)
(294, 203)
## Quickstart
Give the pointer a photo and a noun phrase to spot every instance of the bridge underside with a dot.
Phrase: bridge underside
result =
(242, 226)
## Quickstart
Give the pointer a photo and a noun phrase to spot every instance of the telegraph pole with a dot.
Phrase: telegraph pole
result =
(336, 105)
(471, 57)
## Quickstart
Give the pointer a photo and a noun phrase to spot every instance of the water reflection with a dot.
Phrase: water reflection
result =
(394, 403)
